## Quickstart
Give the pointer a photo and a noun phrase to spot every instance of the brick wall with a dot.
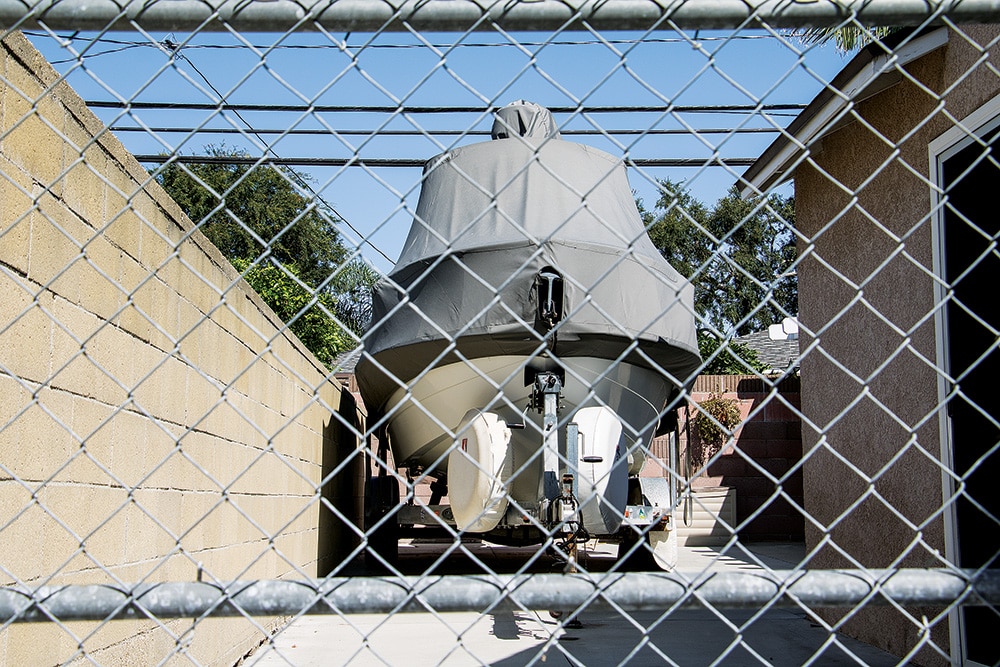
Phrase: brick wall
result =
(149, 426)
(764, 465)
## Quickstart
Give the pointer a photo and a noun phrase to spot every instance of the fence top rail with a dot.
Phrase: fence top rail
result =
(632, 592)
(464, 15)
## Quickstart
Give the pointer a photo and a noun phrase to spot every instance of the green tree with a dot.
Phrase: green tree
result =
(249, 212)
(758, 286)
(354, 294)
(308, 313)
(739, 255)
(678, 227)
(284, 242)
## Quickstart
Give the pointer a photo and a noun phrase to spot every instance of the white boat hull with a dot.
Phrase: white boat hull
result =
(422, 421)
(528, 255)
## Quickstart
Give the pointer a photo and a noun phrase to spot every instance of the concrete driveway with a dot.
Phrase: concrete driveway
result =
(684, 637)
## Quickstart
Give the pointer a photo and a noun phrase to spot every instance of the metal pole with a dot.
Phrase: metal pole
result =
(633, 592)
(340, 16)
(376, 162)
(547, 391)
(573, 455)
(673, 456)
(572, 470)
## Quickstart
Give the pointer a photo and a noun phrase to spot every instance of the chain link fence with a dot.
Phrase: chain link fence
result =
(498, 333)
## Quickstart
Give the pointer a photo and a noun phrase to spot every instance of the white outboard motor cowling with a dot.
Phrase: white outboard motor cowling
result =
(602, 487)
(478, 466)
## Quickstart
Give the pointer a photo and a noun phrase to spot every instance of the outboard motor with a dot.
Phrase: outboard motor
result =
(603, 476)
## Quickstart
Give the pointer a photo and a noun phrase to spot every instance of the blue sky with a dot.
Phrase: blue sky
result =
(563, 70)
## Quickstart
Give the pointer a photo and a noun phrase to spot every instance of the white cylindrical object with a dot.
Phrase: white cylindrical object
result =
(477, 467)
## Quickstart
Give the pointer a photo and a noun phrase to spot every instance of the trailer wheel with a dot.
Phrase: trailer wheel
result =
(381, 499)
(639, 560)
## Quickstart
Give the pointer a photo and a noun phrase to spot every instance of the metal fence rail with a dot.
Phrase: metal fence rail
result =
(361, 360)
(629, 592)
(363, 16)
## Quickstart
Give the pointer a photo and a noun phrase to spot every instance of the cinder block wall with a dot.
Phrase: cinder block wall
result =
(152, 421)
(770, 437)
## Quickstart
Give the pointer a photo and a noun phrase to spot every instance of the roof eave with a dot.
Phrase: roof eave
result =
(870, 72)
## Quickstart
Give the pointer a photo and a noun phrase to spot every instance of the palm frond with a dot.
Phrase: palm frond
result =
(847, 38)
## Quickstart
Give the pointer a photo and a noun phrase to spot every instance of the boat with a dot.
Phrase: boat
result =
(530, 340)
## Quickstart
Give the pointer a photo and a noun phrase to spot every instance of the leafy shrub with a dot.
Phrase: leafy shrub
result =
(715, 422)
(309, 313)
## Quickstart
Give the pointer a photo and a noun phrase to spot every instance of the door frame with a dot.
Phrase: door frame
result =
(980, 122)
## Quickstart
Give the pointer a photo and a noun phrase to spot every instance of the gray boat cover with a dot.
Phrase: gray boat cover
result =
(490, 217)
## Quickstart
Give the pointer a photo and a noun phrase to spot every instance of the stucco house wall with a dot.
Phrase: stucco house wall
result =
(154, 424)
(872, 473)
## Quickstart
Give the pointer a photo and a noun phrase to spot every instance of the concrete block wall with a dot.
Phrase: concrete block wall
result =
(768, 450)
(152, 421)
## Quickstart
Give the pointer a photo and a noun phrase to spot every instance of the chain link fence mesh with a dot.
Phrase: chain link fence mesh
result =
(475, 333)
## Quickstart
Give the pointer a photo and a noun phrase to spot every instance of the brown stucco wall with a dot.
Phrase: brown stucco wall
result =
(865, 289)
(145, 431)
